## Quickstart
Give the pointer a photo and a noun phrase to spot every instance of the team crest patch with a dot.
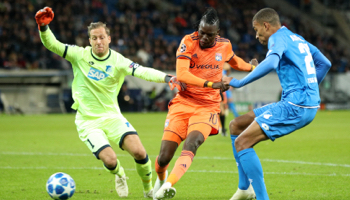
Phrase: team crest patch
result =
(218, 56)
(108, 69)
(183, 48)
(166, 123)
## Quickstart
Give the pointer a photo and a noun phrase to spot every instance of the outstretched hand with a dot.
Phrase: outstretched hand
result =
(175, 83)
(44, 16)
(221, 85)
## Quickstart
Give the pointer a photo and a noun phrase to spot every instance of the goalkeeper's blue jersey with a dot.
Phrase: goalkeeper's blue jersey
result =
(296, 69)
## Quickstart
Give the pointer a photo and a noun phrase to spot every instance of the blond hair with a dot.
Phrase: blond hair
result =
(95, 25)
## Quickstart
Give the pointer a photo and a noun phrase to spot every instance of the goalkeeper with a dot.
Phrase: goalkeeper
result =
(99, 73)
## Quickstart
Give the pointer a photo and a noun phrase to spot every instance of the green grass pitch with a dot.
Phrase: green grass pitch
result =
(311, 163)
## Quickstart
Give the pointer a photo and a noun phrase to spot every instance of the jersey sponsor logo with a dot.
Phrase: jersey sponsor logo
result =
(204, 66)
(134, 65)
(183, 48)
(96, 74)
(265, 126)
(218, 56)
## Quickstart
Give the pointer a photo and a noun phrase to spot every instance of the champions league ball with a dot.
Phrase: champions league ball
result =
(60, 186)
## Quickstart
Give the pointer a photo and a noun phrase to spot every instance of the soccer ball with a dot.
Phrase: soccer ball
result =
(60, 186)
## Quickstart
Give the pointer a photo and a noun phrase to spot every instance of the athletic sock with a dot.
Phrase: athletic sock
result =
(222, 120)
(161, 171)
(252, 167)
(232, 107)
(144, 169)
(181, 165)
(243, 182)
(116, 170)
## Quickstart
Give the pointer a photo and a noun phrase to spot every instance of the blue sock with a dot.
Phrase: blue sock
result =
(232, 107)
(252, 167)
(243, 182)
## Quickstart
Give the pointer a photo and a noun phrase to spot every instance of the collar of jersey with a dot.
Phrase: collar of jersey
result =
(95, 57)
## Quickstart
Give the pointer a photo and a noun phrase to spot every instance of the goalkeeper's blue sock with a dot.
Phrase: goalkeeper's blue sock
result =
(243, 182)
(232, 107)
(252, 167)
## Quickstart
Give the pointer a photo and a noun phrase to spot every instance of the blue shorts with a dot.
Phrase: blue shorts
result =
(281, 118)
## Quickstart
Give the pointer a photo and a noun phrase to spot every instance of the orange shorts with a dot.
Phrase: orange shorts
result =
(181, 119)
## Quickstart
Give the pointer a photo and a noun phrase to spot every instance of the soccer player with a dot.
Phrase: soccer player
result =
(300, 67)
(98, 76)
(193, 113)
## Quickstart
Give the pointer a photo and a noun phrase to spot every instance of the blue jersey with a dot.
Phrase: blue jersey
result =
(296, 69)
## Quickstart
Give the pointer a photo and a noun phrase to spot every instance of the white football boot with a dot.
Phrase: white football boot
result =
(159, 184)
(247, 194)
(165, 192)
(148, 194)
(121, 186)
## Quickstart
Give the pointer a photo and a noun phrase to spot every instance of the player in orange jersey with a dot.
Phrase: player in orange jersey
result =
(193, 113)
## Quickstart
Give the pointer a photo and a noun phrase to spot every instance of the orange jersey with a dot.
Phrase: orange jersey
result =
(206, 64)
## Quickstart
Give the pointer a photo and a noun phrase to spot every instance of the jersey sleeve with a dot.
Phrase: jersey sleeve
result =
(229, 52)
(128, 67)
(277, 45)
(236, 62)
(69, 52)
(185, 48)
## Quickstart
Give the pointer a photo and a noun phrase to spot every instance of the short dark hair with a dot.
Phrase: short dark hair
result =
(267, 15)
(210, 16)
(95, 25)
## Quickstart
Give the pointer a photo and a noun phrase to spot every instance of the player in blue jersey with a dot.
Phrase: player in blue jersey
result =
(300, 67)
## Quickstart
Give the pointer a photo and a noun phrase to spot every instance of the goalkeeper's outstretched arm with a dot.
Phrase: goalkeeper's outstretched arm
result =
(43, 18)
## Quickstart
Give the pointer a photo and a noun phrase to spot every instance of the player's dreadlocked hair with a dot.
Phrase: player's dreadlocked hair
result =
(210, 16)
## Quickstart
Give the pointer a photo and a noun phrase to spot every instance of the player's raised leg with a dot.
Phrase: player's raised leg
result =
(237, 126)
(197, 135)
(249, 160)
(132, 144)
(167, 151)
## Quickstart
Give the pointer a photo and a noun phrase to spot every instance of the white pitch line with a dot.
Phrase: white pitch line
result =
(191, 171)
(197, 157)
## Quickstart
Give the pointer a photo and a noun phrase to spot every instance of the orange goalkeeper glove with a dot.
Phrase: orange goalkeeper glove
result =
(173, 82)
(44, 16)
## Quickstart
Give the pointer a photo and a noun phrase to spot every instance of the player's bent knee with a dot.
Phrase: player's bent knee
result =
(164, 160)
(109, 161)
(139, 154)
(234, 128)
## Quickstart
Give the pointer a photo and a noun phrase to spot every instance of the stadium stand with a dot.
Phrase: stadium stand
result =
(145, 31)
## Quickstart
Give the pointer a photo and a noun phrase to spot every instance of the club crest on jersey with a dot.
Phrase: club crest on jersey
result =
(166, 123)
(183, 48)
(96, 74)
(108, 69)
(218, 56)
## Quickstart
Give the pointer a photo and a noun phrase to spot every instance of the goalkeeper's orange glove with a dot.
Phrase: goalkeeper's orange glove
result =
(44, 16)
(173, 82)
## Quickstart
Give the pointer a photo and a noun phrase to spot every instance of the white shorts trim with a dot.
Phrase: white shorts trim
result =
(303, 106)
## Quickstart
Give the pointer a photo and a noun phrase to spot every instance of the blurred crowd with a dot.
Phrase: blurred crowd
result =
(146, 31)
